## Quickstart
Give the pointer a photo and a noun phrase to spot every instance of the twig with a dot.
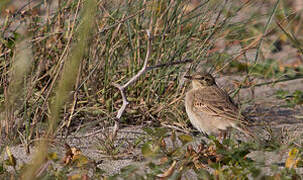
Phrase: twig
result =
(22, 7)
(175, 128)
(265, 30)
(169, 64)
(275, 81)
(122, 21)
(300, 76)
(135, 78)
(132, 80)
(293, 39)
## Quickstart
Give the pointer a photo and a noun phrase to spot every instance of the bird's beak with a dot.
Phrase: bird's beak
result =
(188, 77)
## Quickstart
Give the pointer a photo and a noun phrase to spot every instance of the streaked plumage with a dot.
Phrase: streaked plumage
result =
(210, 109)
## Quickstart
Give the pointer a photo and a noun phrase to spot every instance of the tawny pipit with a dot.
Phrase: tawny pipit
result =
(210, 109)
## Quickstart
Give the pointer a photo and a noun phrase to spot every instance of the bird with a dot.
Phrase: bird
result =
(211, 110)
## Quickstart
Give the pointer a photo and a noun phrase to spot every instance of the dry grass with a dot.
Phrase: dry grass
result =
(59, 65)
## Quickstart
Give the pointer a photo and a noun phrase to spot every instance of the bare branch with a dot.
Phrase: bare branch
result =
(142, 71)
(299, 76)
(125, 102)
(169, 64)
(141, 11)
(132, 80)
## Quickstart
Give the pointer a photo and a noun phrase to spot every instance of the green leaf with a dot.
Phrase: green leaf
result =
(184, 138)
(148, 130)
(298, 97)
(149, 150)
(128, 171)
(202, 173)
(281, 94)
(160, 132)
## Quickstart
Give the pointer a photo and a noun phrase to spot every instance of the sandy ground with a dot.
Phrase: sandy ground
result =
(286, 123)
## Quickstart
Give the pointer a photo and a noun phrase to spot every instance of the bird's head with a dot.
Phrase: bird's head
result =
(201, 80)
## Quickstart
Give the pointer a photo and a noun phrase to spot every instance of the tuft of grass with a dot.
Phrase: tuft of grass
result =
(18, 72)
(58, 67)
(65, 85)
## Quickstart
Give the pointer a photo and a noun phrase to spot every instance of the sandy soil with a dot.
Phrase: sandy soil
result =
(286, 122)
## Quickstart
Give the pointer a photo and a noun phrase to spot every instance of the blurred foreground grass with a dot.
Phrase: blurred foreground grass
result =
(59, 60)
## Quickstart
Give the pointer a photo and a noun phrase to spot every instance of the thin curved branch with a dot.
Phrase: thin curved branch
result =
(135, 78)
(132, 80)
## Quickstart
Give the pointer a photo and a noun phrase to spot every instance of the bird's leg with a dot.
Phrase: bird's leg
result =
(222, 135)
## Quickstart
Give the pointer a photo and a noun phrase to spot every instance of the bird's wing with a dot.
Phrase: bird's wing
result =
(216, 102)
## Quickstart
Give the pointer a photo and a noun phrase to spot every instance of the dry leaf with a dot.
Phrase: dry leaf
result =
(73, 154)
(291, 161)
(11, 159)
(169, 172)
